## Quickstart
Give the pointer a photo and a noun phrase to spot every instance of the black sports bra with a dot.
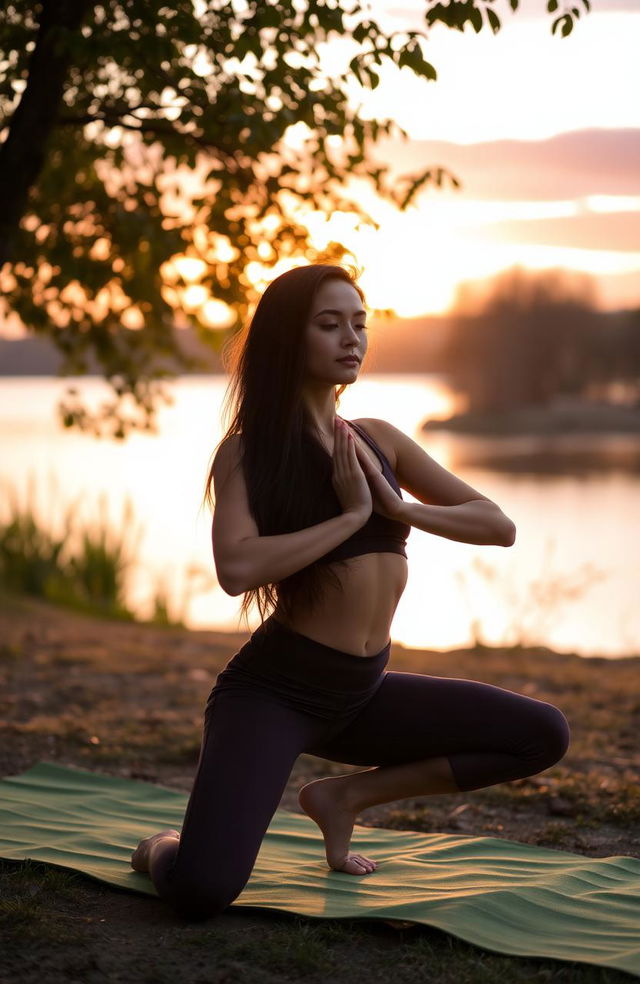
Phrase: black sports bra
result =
(379, 534)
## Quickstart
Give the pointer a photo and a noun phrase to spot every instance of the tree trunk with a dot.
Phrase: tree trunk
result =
(23, 153)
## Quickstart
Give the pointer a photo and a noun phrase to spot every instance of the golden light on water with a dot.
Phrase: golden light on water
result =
(452, 586)
(423, 397)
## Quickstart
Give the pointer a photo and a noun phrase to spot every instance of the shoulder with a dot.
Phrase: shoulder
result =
(416, 471)
(227, 457)
(384, 434)
(230, 447)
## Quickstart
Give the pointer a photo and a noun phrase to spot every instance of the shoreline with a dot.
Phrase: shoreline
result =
(564, 418)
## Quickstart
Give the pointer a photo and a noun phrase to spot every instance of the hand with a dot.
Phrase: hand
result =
(348, 478)
(385, 500)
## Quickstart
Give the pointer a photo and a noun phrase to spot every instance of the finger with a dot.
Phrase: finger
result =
(345, 438)
(344, 450)
(364, 460)
(354, 460)
(339, 450)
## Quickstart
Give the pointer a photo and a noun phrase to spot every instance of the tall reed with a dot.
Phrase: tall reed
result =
(79, 563)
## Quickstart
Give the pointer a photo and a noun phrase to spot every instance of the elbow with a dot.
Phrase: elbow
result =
(228, 586)
(230, 580)
(507, 534)
(499, 530)
(231, 588)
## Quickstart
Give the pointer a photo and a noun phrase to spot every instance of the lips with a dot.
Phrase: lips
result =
(350, 360)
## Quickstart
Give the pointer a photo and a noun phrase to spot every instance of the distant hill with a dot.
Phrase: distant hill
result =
(395, 345)
(35, 356)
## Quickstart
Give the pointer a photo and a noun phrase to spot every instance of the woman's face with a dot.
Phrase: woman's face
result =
(336, 329)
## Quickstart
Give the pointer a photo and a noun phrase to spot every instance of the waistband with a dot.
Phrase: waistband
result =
(275, 648)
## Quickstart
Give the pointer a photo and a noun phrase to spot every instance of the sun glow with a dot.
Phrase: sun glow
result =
(415, 261)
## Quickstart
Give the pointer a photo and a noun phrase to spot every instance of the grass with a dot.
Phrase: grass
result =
(25, 906)
(82, 565)
(76, 563)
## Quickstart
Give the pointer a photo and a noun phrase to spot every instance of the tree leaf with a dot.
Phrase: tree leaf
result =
(494, 20)
(567, 26)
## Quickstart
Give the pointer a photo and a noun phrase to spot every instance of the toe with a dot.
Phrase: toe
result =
(351, 866)
(364, 861)
(356, 867)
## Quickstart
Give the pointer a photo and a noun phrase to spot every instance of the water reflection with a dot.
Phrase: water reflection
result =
(570, 580)
(548, 455)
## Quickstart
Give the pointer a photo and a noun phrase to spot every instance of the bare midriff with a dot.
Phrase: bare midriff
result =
(356, 617)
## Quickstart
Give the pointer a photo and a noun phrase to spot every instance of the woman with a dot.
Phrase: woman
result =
(309, 522)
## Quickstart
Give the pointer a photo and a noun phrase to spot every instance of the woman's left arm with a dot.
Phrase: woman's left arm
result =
(478, 520)
(447, 506)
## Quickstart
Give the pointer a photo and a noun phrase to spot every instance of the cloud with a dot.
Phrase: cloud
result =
(601, 231)
(616, 6)
(567, 166)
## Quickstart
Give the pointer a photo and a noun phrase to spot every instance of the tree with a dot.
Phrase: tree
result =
(533, 336)
(102, 103)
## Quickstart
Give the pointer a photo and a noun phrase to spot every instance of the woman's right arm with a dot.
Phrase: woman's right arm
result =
(246, 560)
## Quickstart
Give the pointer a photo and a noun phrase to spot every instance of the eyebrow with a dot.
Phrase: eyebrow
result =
(334, 311)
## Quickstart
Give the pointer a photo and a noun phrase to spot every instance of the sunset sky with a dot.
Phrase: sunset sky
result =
(544, 133)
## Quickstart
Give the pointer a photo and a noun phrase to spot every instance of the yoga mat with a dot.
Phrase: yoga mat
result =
(501, 895)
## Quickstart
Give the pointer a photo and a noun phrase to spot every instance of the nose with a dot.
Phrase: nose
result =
(351, 334)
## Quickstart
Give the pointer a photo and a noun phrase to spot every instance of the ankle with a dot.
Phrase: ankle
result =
(353, 796)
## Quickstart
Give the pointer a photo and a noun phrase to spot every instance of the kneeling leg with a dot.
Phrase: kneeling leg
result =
(249, 747)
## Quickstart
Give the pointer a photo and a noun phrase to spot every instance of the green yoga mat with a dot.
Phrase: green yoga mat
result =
(501, 895)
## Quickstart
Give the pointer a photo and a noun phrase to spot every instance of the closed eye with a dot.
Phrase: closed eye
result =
(357, 327)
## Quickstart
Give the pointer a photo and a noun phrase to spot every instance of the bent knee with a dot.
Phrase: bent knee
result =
(554, 736)
(197, 901)
(197, 911)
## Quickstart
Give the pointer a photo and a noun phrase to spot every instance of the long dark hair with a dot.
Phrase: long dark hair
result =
(286, 468)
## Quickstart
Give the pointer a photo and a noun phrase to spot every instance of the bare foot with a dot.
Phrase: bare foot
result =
(140, 857)
(324, 801)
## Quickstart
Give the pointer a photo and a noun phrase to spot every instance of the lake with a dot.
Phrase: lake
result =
(569, 582)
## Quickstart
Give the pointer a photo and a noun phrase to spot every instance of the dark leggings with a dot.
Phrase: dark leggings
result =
(284, 694)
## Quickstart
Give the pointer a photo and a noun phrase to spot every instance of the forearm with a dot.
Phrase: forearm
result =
(477, 521)
(268, 559)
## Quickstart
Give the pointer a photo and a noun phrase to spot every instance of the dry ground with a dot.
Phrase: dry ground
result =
(126, 699)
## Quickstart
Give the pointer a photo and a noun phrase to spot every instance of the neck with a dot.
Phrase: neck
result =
(320, 404)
